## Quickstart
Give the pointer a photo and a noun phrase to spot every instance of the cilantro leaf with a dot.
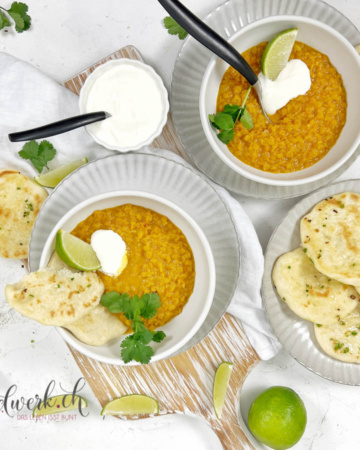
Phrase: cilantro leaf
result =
(39, 155)
(151, 304)
(18, 12)
(114, 301)
(110, 297)
(174, 28)
(233, 110)
(136, 346)
(246, 120)
(19, 21)
(212, 120)
(159, 336)
(224, 121)
(4, 21)
(226, 136)
(131, 308)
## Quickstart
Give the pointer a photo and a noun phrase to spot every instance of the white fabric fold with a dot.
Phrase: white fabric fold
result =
(28, 98)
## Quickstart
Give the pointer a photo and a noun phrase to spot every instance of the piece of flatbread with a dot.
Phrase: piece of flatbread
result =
(55, 298)
(99, 326)
(330, 234)
(55, 263)
(341, 340)
(20, 202)
(308, 293)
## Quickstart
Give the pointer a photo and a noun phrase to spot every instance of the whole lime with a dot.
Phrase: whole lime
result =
(277, 418)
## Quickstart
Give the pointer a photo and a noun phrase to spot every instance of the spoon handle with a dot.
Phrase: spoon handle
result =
(209, 38)
(60, 127)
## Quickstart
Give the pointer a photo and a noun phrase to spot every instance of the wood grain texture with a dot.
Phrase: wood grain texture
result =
(182, 384)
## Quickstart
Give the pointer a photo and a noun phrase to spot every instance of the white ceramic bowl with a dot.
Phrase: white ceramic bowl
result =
(183, 327)
(324, 39)
(102, 69)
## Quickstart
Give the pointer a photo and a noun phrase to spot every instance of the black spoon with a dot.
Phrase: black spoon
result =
(62, 126)
(213, 41)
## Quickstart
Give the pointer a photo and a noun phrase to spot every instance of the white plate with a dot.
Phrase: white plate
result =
(295, 334)
(188, 74)
(184, 326)
(170, 180)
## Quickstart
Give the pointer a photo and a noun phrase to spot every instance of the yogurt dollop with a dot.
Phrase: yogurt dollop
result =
(293, 80)
(133, 97)
(111, 251)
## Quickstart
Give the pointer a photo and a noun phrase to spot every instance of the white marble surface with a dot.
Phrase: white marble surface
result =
(66, 37)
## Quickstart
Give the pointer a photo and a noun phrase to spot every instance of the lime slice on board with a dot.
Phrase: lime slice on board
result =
(59, 404)
(277, 53)
(75, 252)
(130, 405)
(53, 178)
(221, 381)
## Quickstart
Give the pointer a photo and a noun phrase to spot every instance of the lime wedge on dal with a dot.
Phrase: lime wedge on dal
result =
(75, 252)
(221, 381)
(53, 178)
(59, 404)
(277, 53)
(130, 405)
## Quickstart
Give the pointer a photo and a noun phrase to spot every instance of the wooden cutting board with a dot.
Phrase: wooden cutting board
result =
(182, 383)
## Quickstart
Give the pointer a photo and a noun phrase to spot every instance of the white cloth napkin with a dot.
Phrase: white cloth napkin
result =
(28, 98)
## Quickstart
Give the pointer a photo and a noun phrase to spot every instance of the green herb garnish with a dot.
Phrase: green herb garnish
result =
(38, 154)
(174, 28)
(225, 120)
(18, 13)
(136, 346)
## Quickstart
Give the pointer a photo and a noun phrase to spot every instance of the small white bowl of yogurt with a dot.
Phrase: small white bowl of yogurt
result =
(135, 97)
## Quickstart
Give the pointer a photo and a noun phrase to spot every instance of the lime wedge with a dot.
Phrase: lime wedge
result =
(53, 178)
(130, 405)
(59, 404)
(221, 381)
(277, 53)
(75, 252)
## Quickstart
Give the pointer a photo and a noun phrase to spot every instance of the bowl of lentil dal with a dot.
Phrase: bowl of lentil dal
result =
(167, 253)
(313, 134)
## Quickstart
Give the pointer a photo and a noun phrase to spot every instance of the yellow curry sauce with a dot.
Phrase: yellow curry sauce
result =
(160, 258)
(303, 131)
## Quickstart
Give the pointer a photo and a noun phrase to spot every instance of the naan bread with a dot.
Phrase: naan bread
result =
(341, 340)
(56, 264)
(330, 234)
(308, 293)
(20, 203)
(98, 327)
(55, 298)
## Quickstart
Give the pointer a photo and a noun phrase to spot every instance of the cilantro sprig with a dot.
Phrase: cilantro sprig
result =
(225, 120)
(174, 28)
(38, 154)
(18, 13)
(136, 346)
